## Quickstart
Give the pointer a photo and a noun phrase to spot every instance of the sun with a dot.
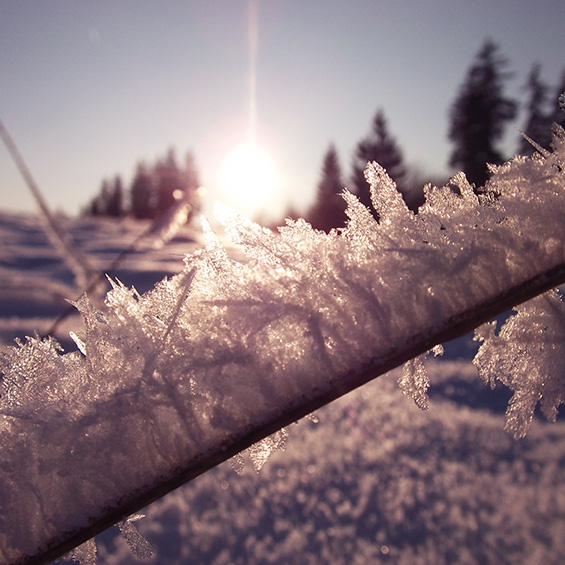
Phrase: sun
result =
(248, 177)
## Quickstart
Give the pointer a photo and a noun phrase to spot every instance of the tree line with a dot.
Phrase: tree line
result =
(477, 120)
(153, 190)
(478, 117)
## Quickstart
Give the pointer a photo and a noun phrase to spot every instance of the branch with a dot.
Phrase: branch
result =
(453, 328)
(224, 354)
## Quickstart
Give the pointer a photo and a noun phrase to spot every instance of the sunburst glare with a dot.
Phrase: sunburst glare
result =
(248, 177)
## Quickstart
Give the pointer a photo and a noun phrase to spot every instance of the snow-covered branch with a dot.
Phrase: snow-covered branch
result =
(172, 382)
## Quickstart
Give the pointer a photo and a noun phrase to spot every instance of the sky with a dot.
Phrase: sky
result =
(89, 89)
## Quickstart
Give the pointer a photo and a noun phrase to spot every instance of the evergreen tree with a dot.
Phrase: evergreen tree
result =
(558, 103)
(328, 210)
(153, 190)
(142, 193)
(169, 182)
(109, 201)
(538, 122)
(115, 199)
(97, 206)
(191, 183)
(378, 146)
(479, 114)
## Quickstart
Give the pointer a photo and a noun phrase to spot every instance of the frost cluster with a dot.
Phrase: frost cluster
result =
(166, 382)
(527, 356)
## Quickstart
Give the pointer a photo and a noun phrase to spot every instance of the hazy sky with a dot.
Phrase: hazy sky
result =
(87, 89)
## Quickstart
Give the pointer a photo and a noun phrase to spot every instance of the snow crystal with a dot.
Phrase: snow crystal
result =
(262, 450)
(139, 546)
(171, 382)
(237, 463)
(527, 356)
(414, 382)
(85, 554)
(259, 452)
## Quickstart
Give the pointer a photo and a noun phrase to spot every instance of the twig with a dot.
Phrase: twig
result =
(55, 232)
(456, 326)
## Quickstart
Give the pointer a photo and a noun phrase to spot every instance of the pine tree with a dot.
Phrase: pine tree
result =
(479, 114)
(153, 190)
(538, 122)
(109, 201)
(328, 210)
(558, 103)
(115, 199)
(97, 206)
(169, 182)
(378, 146)
(191, 184)
(142, 193)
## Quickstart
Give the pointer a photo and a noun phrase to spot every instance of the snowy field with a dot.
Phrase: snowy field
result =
(376, 480)
(36, 283)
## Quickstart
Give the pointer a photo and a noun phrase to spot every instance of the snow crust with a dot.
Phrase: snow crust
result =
(164, 380)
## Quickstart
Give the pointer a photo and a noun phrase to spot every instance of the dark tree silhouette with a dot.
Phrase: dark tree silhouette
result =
(97, 206)
(378, 146)
(169, 182)
(538, 122)
(328, 210)
(153, 190)
(115, 206)
(479, 114)
(109, 201)
(174, 183)
(191, 183)
(558, 103)
(142, 193)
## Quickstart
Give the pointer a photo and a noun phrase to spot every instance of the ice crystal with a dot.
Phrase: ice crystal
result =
(259, 452)
(414, 382)
(85, 554)
(237, 463)
(527, 356)
(137, 543)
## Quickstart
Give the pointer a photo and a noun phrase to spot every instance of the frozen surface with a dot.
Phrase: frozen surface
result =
(168, 379)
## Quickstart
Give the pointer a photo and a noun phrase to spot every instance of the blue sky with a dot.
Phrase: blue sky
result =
(88, 89)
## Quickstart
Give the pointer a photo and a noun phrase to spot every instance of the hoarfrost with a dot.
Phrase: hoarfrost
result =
(260, 452)
(237, 463)
(141, 548)
(137, 543)
(414, 382)
(527, 356)
(205, 364)
(85, 554)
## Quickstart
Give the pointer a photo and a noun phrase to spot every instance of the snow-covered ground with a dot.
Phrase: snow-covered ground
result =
(36, 284)
(375, 481)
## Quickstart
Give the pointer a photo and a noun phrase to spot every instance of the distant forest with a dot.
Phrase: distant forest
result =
(478, 117)
(155, 188)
